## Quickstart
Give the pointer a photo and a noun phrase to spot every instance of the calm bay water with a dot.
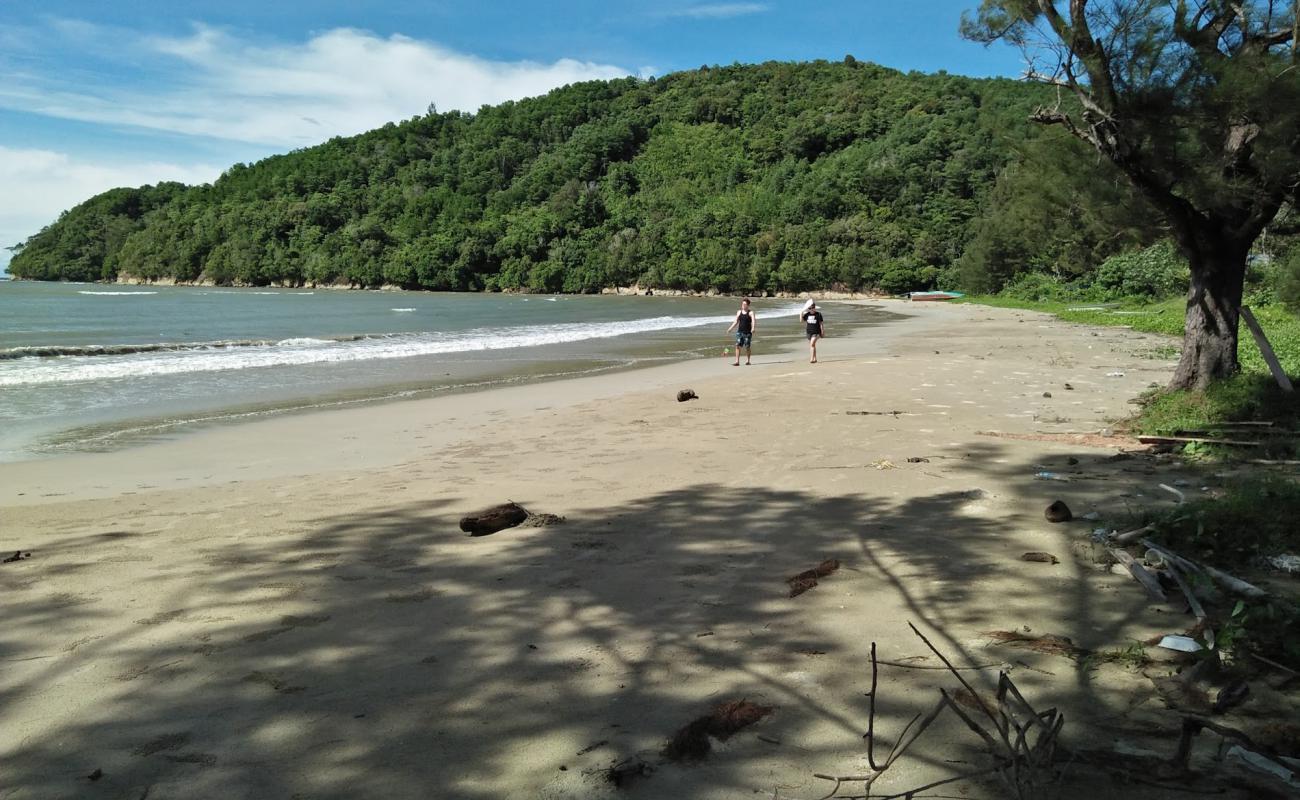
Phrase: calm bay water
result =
(91, 367)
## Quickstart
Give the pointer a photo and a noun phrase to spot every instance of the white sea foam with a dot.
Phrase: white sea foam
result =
(114, 294)
(300, 351)
(402, 310)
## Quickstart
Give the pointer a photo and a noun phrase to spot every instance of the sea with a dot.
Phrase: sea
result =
(97, 367)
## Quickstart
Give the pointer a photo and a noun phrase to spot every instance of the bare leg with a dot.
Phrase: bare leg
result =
(812, 345)
(748, 350)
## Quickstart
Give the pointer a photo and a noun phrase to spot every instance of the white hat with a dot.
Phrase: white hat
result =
(808, 304)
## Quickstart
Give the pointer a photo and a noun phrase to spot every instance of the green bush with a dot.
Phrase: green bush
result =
(1156, 272)
(1039, 287)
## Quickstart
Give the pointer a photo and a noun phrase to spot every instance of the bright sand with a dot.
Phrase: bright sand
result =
(286, 608)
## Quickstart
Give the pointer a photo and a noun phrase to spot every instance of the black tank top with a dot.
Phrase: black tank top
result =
(746, 322)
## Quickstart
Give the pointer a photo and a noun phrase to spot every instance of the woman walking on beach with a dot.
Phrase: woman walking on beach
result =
(814, 327)
(744, 325)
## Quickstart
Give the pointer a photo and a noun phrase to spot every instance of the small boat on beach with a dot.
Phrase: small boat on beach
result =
(918, 296)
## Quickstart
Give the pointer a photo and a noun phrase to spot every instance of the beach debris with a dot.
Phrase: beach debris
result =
(1285, 770)
(1176, 493)
(1232, 584)
(592, 746)
(1115, 374)
(1091, 516)
(703, 634)
(621, 773)
(1049, 643)
(1047, 394)
(18, 555)
(687, 394)
(918, 460)
(1069, 388)
(1037, 555)
(542, 520)
(1139, 573)
(875, 413)
(96, 775)
(808, 578)
(1058, 512)
(1195, 440)
(1229, 697)
(1050, 476)
(692, 741)
(1285, 562)
(1183, 644)
(883, 463)
(491, 520)
(1021, 745)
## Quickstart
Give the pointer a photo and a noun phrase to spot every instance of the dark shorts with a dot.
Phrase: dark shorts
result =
(814, 334)
(744, 339)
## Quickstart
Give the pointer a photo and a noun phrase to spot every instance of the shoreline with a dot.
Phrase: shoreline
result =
(623, 291)
(290, 608)
(309, 434)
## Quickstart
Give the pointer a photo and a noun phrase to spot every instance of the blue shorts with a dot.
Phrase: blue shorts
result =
(744, 340)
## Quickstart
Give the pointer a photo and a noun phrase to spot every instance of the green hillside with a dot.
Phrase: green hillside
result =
(746, 178)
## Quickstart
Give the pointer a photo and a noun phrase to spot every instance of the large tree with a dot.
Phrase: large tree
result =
(1197, 102)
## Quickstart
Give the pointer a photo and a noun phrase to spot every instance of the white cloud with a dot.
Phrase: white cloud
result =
(44, 183)
(720, 10)
(340, 82)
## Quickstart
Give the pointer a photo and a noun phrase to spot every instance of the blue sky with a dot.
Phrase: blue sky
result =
(96, 94)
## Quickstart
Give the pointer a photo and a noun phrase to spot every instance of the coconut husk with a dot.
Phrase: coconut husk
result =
(808, 578)
(692, 741)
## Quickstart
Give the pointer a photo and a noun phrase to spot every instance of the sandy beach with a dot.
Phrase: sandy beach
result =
(286, 608)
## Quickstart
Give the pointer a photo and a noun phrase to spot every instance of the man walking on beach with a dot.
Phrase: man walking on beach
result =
(744, 324)
(814, 327)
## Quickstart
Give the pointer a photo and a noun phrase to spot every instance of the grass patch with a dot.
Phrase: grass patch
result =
(1250, 396)
(1256, 517)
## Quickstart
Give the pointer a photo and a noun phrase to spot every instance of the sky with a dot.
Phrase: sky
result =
(97, 94)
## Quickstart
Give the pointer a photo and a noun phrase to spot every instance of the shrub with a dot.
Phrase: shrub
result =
(1156, 272)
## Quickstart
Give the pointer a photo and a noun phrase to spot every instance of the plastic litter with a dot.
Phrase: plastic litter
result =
(1114, 374)
(1183, 644)
(1284, 772)
(1091, 516)
(1287, 562)
(1050, 476)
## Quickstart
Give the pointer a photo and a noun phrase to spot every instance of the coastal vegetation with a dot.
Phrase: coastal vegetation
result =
(764, 178)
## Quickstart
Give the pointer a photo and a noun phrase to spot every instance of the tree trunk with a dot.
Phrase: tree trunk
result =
(1213, 309)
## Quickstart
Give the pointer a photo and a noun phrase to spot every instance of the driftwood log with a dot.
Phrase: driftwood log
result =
(491, 520)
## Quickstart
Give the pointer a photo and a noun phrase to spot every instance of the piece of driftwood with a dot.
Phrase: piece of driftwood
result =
(875, 413)
(1038, 555)
(1266, 350)
(19, 555)
(808, 578)
(1128, 536)
(687, 394)
(1233, 584)
(1139, 573)
(491, 520)
(1195, 440)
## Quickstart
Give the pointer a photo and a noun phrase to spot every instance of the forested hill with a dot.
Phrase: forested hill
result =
(746, 178)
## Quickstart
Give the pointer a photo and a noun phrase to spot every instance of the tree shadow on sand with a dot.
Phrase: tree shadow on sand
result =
(384, 654)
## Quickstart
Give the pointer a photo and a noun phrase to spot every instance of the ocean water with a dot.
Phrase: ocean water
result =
(96, 367)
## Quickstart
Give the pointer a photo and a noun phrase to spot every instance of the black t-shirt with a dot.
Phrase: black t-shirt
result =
(813, 321)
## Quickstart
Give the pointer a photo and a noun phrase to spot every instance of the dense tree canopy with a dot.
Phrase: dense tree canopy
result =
(744, 178)
(1197, 104)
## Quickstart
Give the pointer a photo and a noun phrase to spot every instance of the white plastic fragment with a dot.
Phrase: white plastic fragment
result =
(1287, 562)
(1183, 644)
(1259, 763)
